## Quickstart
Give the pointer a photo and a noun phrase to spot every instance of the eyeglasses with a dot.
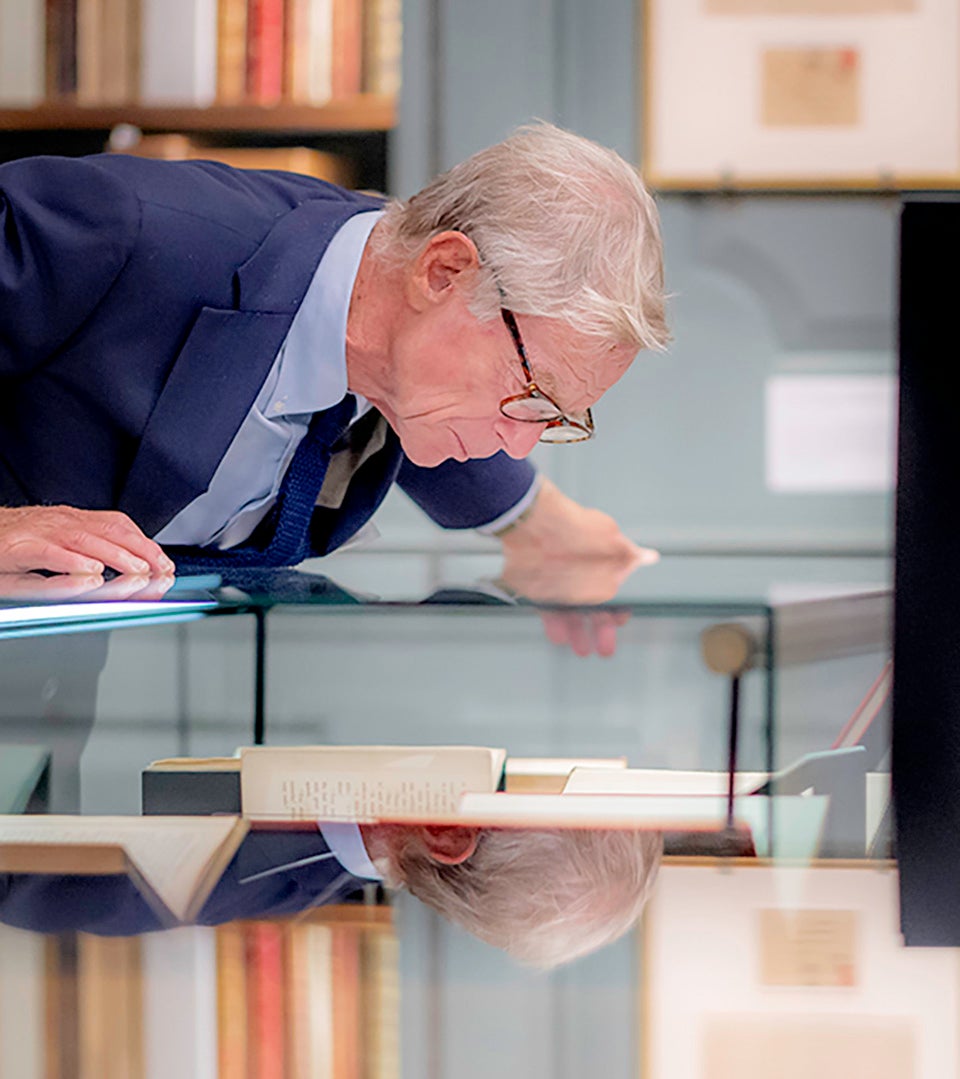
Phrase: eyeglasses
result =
(535, 406)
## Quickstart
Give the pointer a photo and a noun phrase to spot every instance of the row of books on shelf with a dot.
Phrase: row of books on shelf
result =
(197, 52)
(313, 998)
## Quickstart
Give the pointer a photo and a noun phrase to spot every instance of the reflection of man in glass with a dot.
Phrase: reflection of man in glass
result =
(544, 896)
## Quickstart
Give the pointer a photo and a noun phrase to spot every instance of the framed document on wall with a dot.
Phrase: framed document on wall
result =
(801, 93)
(751, 970)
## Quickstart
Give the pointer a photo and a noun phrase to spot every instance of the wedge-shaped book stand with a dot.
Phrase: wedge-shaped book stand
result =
(174, 862)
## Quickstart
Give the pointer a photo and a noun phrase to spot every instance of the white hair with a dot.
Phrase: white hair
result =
(545, 897)
(564, 228)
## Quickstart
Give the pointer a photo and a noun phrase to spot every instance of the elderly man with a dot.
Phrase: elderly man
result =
(225, 368)
(546, 897)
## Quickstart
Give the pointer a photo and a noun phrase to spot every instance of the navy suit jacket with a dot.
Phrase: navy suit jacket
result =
(112, 905)
(142, 304)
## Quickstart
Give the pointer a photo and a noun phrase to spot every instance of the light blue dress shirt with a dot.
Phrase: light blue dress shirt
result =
(346, 842)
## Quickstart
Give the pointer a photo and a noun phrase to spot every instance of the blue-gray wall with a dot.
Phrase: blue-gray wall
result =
(762, 285)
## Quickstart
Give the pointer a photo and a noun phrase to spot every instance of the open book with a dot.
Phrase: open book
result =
(196, 785)
(364, 783)
(282, 783)
(175, 862)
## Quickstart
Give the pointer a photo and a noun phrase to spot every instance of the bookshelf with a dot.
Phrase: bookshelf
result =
(320, 74)
(355, 129)
(362, 113)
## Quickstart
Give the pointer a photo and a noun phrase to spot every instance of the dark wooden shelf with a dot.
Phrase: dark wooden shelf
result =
(365, 112)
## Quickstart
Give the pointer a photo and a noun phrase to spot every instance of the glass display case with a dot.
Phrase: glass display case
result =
(731, 683)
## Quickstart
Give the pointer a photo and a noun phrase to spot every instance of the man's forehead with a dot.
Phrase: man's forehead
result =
(571, 359)
(563, 340)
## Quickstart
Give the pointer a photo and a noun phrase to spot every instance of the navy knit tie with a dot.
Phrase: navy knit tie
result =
(283, 537)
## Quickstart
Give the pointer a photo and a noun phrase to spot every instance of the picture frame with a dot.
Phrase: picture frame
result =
(749, 968)
(800, 94)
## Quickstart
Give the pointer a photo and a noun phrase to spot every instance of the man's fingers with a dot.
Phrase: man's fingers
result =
(32, 586)
(154, 589)
(580, 638)
(36, 553)
(119, 530)
(108, 552)
(126, 587)
(647, 556)
(605, 631)
(555, 626)
(568, 628)
(585, 633)
(63, 539)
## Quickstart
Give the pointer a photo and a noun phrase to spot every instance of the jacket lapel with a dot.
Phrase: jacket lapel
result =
(209, 392)
(223, 363)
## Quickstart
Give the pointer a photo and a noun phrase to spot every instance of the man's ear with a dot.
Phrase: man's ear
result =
(449, 844)
(448, 258)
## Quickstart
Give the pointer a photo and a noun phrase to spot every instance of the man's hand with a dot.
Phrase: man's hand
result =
(562, 552)
(63, 539)
(556, 527)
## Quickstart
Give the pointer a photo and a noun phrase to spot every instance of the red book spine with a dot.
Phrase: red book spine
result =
(345, 963)
(265, 1004)
(347, 47)
(265, 51)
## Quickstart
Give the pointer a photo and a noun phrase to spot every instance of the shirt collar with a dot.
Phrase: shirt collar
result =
(312, 373)
(345, 841)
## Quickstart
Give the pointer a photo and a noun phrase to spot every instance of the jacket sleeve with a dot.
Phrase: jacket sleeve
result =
(67, 228)
(467, 494)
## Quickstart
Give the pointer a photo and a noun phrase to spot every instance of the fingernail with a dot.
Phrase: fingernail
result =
(167, 564)
(137, 565)
(93, 567)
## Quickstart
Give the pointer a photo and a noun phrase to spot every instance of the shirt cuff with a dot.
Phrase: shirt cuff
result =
(512, 515)
(346, 844)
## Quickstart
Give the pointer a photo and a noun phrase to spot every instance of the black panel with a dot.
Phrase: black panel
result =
(926, 698)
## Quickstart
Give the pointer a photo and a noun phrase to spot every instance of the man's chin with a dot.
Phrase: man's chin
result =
(431, 458)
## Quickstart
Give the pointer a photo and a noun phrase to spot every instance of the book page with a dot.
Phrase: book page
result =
(195, 764)
(364, 783)
(172, 853)
(658, 781)
(548, 775)
(559, 766)
(667, 812)
(785, 826)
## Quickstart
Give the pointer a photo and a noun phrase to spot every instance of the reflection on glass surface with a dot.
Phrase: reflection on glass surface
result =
(544, 896)
(295, 959)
